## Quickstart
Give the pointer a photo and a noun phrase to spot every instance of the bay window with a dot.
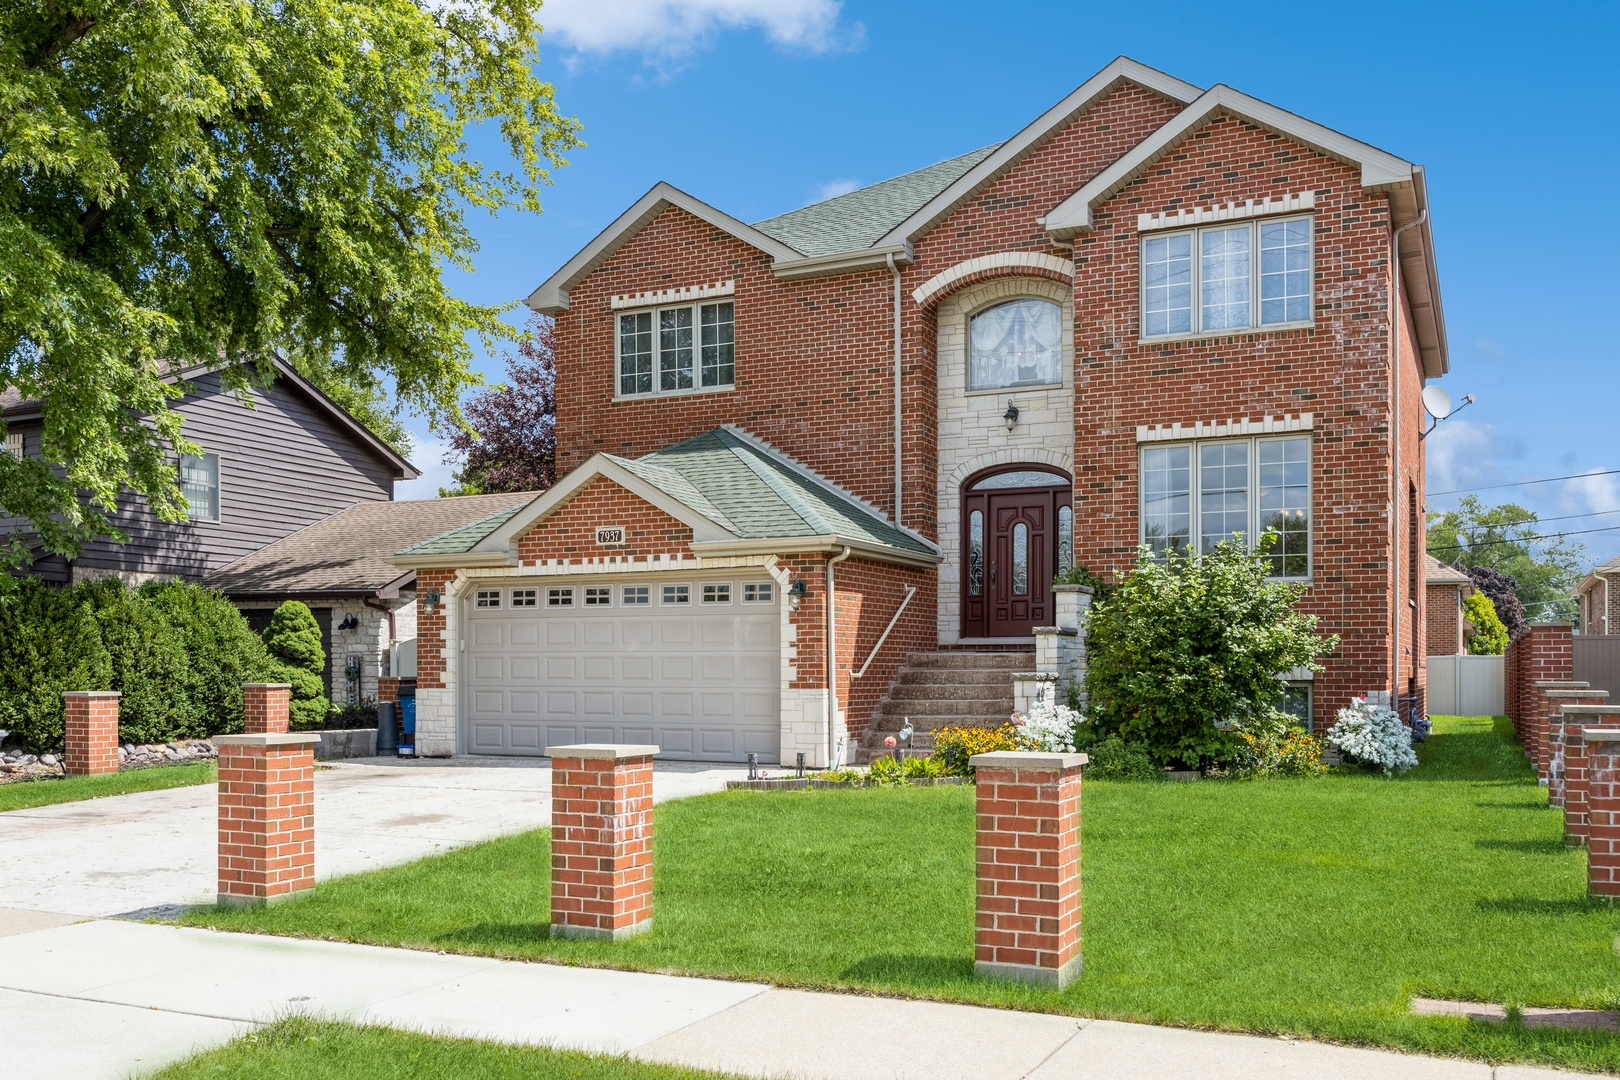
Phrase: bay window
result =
(1209, 280)
(675, 350)
(1220, 489)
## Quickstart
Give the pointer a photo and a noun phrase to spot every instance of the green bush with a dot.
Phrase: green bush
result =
(49, 642)
(953, 746)
(294, 641)
(1490, 636)
(1114, 759)
(1186, 646)
(177, 653)
(886, 770)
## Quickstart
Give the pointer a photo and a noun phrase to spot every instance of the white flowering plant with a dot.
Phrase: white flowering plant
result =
(1374, 735)
(1048, 726)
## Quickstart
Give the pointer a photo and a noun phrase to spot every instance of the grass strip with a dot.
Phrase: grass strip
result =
(23, 794)
(1311, 907)
(298, 1048)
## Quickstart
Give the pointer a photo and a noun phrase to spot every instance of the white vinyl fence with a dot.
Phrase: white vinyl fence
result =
(1465, 686)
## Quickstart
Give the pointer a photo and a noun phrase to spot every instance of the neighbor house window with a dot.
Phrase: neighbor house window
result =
(14, 444)
(1232, 488)
(1016, 344)
(1227, 278)
(199, 483)
(677, 349)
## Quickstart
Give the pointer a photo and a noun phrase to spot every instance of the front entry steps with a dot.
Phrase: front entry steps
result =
(948, 688)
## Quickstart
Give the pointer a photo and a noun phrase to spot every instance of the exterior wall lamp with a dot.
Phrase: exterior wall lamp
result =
(350, 622)
(796, 594)
(1011, 415)
(433, 598)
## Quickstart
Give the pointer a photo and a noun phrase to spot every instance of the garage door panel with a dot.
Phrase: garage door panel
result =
(701, 682)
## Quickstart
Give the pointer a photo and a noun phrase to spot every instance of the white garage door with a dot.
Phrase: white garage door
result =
(692, 666)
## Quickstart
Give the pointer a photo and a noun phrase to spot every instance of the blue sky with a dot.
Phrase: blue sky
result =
(761, 106)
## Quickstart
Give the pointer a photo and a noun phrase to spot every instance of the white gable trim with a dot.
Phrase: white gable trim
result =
(504, 539)
(1033, 260)
(1216, 429)
(1379, 170)
(1009, 153)
(551, 298)
(1232, 211)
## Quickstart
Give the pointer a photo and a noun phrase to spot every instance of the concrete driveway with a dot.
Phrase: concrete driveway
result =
(153, 852)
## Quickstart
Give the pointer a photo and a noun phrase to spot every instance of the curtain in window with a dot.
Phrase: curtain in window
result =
(199, 483)
(1016, 344)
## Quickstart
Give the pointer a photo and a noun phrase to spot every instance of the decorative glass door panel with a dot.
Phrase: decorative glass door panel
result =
(1014, 538)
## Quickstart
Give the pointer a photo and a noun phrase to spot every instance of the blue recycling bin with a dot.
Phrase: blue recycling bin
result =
(407, 718)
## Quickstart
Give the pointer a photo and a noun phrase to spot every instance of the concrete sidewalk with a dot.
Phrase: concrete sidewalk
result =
(108, 999)
(155, 851)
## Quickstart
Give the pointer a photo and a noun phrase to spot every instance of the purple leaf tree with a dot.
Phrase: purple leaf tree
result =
(510, 442)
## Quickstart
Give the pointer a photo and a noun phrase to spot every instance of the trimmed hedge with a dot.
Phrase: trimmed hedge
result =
(178, 653)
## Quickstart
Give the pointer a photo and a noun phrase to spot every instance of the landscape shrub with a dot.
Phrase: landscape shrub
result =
(1114, 759)
(1490, 634)
(1373, 735)
(1080, 574)
(1276, 746)
(177, 653)
(886, 770)
(953, 746)
(1048, 726)
(1188, 647)
(294, 640)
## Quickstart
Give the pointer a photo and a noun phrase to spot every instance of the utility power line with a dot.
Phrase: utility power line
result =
(1523, 483)
(1527, 539)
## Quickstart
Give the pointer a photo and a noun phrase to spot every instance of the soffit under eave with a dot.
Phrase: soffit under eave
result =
(1418, 282)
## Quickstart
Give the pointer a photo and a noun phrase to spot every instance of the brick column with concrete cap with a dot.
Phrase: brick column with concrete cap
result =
(1027, 914)
(266, 816)
(265, 708)
(1554, 702)
(1538, 738)
(1603, 810)
(91, 718)
(601, 840)
(1546, 712)
(1577, 719)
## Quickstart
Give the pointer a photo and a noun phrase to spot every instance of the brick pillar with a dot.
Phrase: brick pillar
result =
(1545, 652)
(1551, 745)
(266, 816)
(1577, 719)
(1544, 713)
(92, 732)
(1028, 864)
(1603, 811)
(265, 708)
(601, 840)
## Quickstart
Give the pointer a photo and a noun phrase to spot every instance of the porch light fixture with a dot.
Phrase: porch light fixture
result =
(433, 598)
(1011, 415)
(795, 594)
(350, 622)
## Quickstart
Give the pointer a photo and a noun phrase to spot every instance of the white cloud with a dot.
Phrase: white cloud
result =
(670, 28)
(428, 454)
(1463, 454)
(1593, 494)
(834, 188)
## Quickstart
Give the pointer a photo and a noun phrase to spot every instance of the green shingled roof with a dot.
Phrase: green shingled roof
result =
(739, 485)
(467, 537)
(861, 218)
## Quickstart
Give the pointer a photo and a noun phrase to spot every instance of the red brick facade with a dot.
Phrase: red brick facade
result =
(1603, 812)
(570, 532)
(430, 623)
(266, 816)
(92, 732)
(1544, 653)
(1028, 867)
(1444, 620)
(265, 708)
(601, 843)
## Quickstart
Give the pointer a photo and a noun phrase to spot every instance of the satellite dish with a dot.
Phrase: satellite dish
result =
(1437, 401)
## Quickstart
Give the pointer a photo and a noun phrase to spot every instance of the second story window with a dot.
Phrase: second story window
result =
(199, 483)
(677, 349)
(1227, 278)
(1016, 344)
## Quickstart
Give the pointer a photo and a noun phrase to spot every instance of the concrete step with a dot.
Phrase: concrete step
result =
(999, 661)
(888, 725)
(952, 691)
(954, 677)
(945, 707)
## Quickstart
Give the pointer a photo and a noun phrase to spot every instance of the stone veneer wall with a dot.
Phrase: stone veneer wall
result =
(370, 639)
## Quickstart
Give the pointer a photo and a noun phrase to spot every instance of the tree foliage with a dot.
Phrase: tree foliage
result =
(1503, 592)
(210, 182)
(1489, 636)
(509, 442)
(1187, 645)
(294, 640)
(1506, 539)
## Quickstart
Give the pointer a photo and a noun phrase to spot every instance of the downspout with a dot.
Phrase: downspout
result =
(895, 270)
(1396, 325)
(832, 664)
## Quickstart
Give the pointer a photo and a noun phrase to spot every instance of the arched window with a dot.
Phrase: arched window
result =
(1019, 343)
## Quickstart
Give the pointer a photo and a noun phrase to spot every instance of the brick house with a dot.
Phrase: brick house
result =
(1157, 314)
(1599, 599)
(1444, 589)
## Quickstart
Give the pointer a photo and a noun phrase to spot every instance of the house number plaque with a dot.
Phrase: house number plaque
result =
(610, 534)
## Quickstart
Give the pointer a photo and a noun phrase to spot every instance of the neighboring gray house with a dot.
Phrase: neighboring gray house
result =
(291, 460)
(340, 567)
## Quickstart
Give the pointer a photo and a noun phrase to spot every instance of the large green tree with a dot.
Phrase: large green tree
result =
(1509, 539)
(190, 182)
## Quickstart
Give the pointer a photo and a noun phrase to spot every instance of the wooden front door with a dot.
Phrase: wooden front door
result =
(1010, 548)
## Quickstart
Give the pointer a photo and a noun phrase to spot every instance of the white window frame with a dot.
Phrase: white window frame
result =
(14, 444)
(721, 593)
(560, 596)
(487, 599)
(1195, 487)
(219, 494)
(697, 387)
(764, 592)
(603, 597)
(675, 595)
(525, 598)
(1255, 326)
(642, 597)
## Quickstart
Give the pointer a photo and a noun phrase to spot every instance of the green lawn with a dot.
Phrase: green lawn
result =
(303, 1049)
(1317, 907)
(22, 794)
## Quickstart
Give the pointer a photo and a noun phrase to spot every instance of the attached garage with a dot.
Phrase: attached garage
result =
(690, 666)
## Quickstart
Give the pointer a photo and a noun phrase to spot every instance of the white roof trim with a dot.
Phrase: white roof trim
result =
(1230, 211)
(1379, 170)
(685, 295)
(551, 298)
(1009, 153)
(600, 465)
